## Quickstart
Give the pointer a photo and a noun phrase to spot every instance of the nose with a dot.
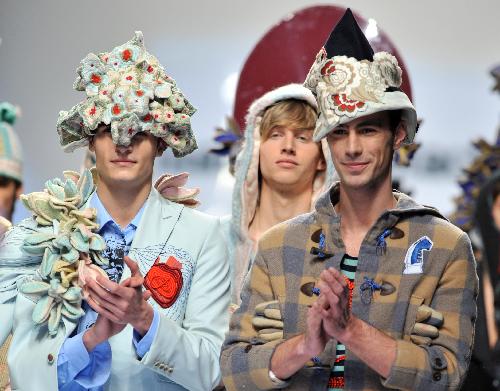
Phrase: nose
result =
(354, 147)
(288, 144)
(123, 149)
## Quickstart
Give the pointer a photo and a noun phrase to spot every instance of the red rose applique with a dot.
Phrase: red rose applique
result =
(345, 104)
(164, 281)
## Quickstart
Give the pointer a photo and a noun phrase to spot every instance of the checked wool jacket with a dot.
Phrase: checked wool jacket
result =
(430, 263)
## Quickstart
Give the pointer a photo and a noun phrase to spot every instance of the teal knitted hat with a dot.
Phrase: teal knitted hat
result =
(11, 157)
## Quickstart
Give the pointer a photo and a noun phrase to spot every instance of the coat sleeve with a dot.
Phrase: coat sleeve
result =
(189, 355)
(443, 364)
(14, 267)
(245, 359)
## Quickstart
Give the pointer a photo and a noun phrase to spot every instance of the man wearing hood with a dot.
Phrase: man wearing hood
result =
(279, 172)
(11, 184)
(351, 276)
(11, 161)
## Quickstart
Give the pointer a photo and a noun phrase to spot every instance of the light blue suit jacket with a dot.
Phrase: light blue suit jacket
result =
(185, 351)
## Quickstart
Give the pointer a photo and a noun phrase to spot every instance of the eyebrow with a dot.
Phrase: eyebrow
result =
(294, 130)
(301, 130)
(370, 122)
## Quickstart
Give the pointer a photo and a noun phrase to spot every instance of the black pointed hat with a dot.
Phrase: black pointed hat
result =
(347, 39)
(350, 81)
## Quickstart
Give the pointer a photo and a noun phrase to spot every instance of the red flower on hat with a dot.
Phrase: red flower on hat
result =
(150, 69)
(96, 79)
(328, 68)
(147, 118)
(126, 55)
(344, 104)
(116, 110)
(164, 281)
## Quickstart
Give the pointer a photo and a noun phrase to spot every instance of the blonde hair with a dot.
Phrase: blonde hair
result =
(293, 113)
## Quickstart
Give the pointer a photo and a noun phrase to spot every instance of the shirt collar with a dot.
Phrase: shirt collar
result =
(103, 217)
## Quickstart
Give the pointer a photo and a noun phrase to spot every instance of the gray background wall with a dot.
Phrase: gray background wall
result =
(448, 46)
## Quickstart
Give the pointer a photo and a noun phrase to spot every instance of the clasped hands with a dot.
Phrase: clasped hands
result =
(118, 305)
(330, 316)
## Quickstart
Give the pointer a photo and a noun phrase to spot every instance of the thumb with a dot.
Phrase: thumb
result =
(146, 295)
(132, 265)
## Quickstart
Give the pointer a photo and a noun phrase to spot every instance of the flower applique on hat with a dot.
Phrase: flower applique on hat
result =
(351, 81)
(128, 90)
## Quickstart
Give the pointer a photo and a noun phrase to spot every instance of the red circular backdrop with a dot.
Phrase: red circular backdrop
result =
(285, 54)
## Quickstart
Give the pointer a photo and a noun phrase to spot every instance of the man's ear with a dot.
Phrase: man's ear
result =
(161, 146)
(19, 191)
(91, 144)
(321, 166)
(399, 135)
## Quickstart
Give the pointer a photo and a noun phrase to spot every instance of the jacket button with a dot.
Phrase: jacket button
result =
(50, 358)
(438, 362)
(170, 370)
(436, 376)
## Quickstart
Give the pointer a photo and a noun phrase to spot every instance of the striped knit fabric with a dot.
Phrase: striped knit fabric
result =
(4, 369)
(336, 381)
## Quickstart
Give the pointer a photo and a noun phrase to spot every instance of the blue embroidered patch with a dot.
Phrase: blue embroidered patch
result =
(414, 259)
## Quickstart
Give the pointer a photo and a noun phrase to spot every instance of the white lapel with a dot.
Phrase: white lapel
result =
(156, 225)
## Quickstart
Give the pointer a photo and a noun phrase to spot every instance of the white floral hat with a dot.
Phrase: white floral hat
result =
(128, 89)
(350, 81)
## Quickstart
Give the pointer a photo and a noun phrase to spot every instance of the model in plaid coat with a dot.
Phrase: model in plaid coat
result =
(407, 255)
(284, 263)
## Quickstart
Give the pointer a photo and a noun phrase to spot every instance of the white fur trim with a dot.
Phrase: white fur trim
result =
(289, 91)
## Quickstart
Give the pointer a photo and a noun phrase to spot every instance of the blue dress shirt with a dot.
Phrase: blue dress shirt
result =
(78, 369)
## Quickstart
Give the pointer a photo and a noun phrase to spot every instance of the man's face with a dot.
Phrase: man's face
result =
(9, 192)
(289, 157)
(495, 211)
(121, 165)
(362, 150)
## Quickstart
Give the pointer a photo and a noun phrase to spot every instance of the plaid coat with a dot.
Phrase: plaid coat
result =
(447, 282)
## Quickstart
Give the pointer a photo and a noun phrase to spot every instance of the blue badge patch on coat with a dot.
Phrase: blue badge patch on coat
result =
(414, 260)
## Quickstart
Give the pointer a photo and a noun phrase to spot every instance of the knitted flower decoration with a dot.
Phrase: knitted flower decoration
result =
(65, 238)
(129, 90)
(473, 179)
(231, 141)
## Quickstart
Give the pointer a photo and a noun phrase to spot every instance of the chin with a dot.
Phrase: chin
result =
(356, 182)
(123, 177)
(286, 179)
